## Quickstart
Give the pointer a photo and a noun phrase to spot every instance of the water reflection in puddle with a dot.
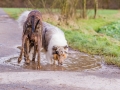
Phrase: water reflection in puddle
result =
(76, 61)
(80, 61)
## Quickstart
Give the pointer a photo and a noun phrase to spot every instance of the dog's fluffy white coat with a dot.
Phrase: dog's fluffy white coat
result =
(57, 39)
(22, 18)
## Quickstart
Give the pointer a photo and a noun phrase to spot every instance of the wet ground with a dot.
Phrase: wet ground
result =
(76, 61)
(80, 71)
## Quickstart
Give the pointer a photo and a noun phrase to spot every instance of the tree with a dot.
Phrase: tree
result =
(95, 7)
(84, 8)
(68, 7)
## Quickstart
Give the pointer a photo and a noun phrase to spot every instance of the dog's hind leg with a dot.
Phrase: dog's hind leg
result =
(22, 50)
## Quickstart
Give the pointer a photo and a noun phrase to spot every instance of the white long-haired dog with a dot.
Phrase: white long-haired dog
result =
(54, 41)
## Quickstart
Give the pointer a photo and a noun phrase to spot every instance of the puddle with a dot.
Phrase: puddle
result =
(76, 61)
(80, 61)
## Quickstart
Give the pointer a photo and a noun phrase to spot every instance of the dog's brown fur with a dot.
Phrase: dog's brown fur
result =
(32, 36)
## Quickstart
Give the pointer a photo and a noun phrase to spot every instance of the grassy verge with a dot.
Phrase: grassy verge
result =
(94, 36)
(14, 12)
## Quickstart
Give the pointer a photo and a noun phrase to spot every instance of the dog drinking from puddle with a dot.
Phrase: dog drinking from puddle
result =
(53, 41)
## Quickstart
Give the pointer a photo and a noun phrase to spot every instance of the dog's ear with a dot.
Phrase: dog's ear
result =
(54, 48)
(65, 47)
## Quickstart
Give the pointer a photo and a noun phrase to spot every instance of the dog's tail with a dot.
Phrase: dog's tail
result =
(22, 18)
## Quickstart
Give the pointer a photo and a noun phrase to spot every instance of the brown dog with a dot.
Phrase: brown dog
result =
(32, 37)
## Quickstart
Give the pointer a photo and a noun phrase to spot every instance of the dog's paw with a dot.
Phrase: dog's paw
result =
(38, 67)
(19, 60)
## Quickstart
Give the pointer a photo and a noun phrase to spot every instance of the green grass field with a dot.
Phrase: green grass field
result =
(100, 36)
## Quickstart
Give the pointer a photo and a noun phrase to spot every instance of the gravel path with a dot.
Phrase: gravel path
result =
(13, 78)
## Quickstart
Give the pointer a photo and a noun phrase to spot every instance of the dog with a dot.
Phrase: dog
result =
(53, 41)
(32, 36)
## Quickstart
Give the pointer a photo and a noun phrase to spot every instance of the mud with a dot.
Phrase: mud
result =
(76, 61)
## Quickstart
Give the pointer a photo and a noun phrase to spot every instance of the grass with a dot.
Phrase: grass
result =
(100, 36)
(112, 30)
(92, 44)
(14, 12)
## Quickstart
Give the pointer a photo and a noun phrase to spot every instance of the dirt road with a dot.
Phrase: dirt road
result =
(18, 78)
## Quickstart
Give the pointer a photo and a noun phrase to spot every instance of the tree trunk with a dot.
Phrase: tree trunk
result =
(108, 4)
(95, 7)
(84, 9)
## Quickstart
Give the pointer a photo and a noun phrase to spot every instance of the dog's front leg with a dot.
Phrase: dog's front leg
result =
(22, 50)
(27, 51)
(39, 47)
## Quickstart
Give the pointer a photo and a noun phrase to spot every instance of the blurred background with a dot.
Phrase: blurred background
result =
(103, 4)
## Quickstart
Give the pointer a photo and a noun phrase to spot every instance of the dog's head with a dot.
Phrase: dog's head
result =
(60, 53)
